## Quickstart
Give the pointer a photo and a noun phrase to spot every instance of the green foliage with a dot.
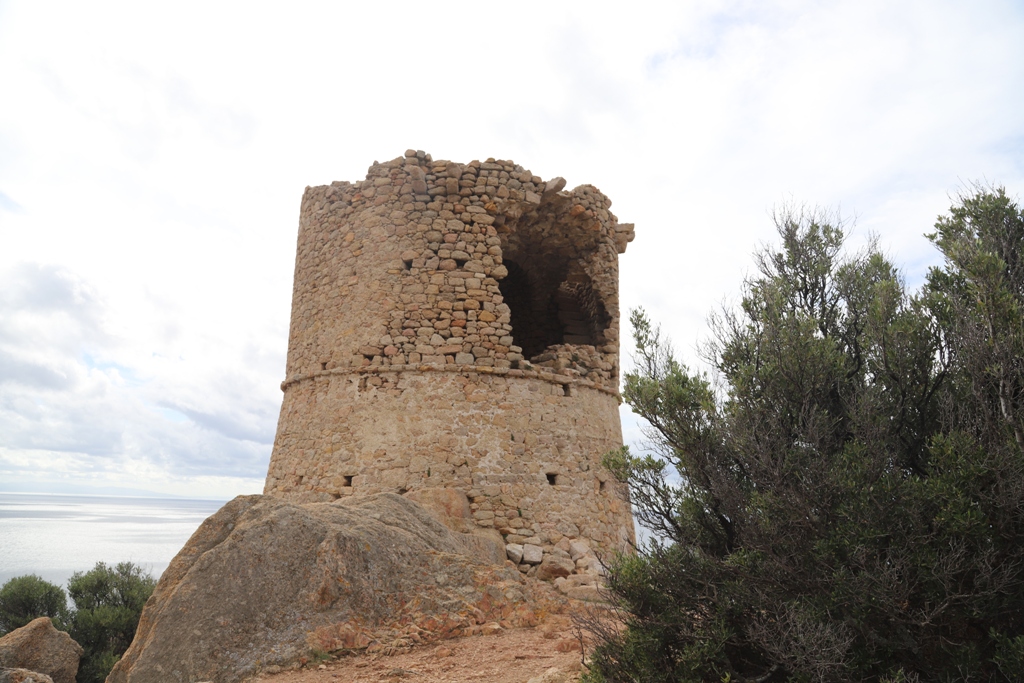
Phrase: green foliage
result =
(108, 603)
(842, 499)
(29, 597)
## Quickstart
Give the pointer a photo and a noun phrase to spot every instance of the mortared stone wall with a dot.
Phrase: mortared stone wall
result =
(457, 326)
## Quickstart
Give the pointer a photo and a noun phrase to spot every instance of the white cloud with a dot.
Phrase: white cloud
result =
(152, 158)
(77, 401)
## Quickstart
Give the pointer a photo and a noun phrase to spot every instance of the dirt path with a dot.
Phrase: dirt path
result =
(507, 656)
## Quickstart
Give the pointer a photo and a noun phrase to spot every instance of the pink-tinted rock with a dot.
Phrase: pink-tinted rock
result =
(265, 582)
(23, 676)
(38, 646)
(555, 566)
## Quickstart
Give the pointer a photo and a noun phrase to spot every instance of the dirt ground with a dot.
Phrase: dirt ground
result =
(507, 656)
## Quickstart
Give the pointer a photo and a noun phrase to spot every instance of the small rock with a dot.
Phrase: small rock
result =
(578, 549)
(442, 652)
(532, 554)
(419, 185)
(23, 676)
(577, 580)
(558, 552)
(554, 566)
(514, 552)
(555, 185)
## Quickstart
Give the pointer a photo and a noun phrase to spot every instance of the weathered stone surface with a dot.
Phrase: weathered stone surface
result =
(555, 566)
(38, 646)
(457, 326)
(582, 587)
(552, 675)
(22, 676)
(264, 581)
(587, 594)
(514, 552)
(578, 548)
(532, 554)
(451, 508)
(588, 564)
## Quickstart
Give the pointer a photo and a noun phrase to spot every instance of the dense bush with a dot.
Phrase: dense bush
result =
(108, 603)
(29, 597)
(842, 498)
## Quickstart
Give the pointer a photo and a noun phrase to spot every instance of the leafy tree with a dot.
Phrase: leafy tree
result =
(842, 499)
(108, 603)
(29, 597)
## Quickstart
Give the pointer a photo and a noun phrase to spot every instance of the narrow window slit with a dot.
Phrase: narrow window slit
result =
(552, 478)
(348, 480)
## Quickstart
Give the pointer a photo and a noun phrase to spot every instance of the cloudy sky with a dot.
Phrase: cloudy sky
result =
(153, 156)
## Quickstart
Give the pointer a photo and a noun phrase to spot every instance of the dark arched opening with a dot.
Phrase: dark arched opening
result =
(533, 310)
(547, 307)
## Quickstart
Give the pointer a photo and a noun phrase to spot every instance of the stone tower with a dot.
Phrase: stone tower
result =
(456, 326)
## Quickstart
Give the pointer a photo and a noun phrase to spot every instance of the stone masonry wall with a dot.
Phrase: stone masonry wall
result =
(456, 326)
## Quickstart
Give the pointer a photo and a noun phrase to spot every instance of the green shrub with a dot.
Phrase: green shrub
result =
(29, 597)
(842, 499)
(108, 603)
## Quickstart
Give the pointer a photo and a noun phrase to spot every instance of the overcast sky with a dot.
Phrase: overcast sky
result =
(153, 156)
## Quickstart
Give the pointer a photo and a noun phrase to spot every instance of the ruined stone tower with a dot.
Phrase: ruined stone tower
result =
(457, 326)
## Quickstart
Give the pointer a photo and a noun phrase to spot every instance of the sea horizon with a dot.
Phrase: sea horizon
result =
(54, 535)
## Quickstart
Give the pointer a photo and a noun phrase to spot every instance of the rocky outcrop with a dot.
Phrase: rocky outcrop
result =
(264, 583)
(39, 647)
(451, 507)
(23, 676)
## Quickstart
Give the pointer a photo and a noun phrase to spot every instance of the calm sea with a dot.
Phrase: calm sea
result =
(54, 536)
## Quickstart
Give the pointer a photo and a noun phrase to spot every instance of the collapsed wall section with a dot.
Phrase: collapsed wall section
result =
(457, 326)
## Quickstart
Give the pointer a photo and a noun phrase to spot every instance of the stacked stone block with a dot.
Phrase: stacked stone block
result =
(457, 326)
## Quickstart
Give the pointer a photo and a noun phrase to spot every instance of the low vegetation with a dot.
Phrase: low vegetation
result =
(841, 498)
(29, 597)
(107, 603)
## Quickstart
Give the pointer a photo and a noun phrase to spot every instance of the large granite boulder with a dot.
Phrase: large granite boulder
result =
(264, 583)
(451, 508)
(39, 647)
